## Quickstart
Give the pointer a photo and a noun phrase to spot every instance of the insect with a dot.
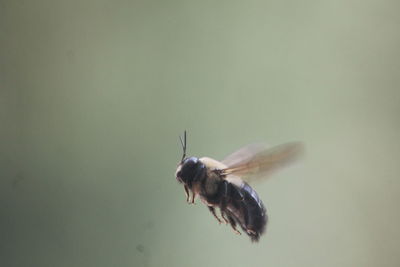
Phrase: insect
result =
(221, 184)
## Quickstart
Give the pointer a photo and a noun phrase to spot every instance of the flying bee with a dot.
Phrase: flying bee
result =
(222, 184)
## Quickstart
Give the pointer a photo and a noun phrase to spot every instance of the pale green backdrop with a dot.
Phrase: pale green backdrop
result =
(93, 96)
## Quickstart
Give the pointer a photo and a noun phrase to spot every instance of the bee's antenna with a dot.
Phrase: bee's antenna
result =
(183, 143)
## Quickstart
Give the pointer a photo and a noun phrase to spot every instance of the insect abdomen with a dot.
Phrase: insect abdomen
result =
(249, 212)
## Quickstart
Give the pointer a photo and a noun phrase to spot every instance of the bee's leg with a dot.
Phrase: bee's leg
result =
(226, 196)
(246, 214)
(226, 189)
(212, 210)
(223, 217)
(224, 199)
(186, 193)
(233, 224)
(192, 198)
(252, 232)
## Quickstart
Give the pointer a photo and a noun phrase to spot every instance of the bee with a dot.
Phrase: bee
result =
(222, 184)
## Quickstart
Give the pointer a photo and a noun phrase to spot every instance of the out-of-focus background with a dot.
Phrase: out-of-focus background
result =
(93, 96)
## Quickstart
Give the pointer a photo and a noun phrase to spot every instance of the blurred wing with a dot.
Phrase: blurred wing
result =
(255, 160)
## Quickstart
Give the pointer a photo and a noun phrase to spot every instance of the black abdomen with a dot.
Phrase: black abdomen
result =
(248, 211)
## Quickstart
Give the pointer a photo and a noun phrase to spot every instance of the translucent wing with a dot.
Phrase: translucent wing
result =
(256, 160)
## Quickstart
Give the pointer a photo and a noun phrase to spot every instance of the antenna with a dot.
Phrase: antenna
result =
(183, 143)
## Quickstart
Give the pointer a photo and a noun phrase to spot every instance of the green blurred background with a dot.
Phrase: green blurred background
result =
(93, 96)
